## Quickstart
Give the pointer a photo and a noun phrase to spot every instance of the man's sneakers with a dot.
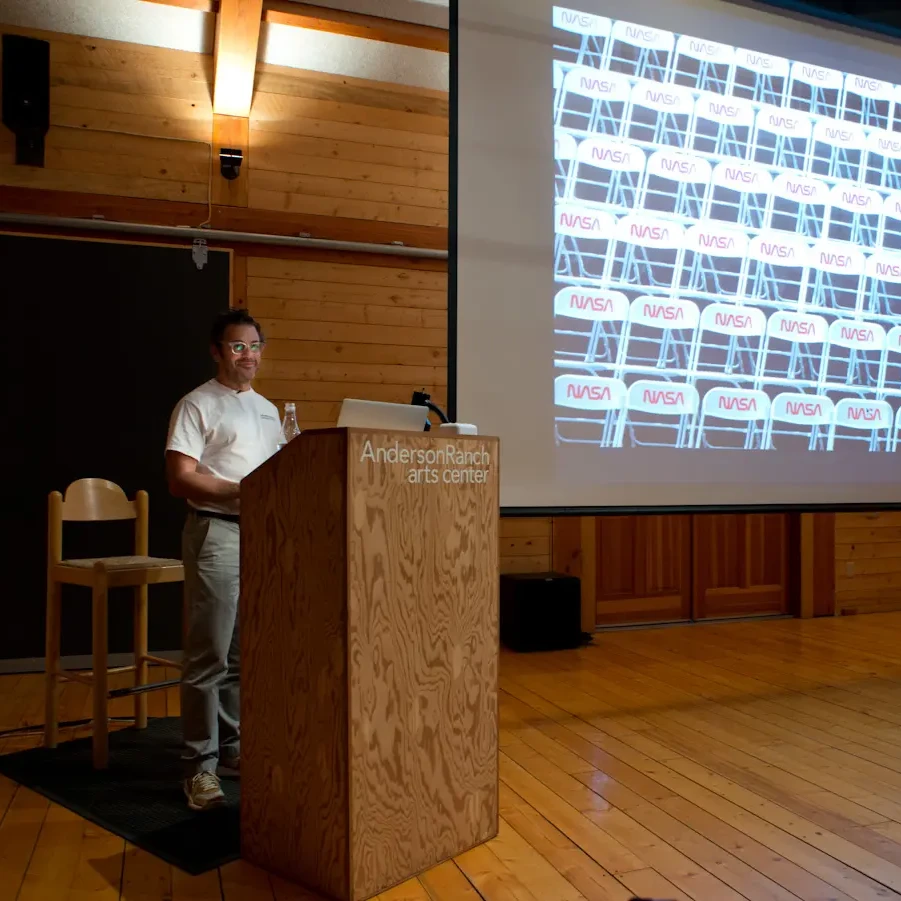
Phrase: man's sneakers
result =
(204, 792)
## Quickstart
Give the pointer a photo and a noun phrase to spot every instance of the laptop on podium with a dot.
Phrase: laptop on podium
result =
(373, 414)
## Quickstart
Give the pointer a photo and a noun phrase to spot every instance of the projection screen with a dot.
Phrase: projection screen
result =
(678, 254)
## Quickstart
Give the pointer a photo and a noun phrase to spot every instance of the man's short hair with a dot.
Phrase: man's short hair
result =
(232, 317)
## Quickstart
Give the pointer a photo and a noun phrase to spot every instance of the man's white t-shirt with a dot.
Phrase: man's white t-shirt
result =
(230, 433)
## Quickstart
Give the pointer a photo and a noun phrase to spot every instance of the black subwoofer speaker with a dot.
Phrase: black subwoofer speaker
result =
(541, 612)
(26, 95)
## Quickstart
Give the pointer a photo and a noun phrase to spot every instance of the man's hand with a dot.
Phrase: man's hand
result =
(187, 483)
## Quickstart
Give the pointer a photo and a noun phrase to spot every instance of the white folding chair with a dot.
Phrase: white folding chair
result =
(794, 350)
(592, 102)
(677, 184)
(607, 172)
(799, 421)
(723, 126)
(896, 439)
(868, 421)
(647, 253)
(655, 406)
(882, 291)
(815, 90)
(777, 270)
(855, 350)
(838, 150)
(740, 194)
(565, 149)
(582, 240)
(760, 77)
(600, 402)
(837, 277)
(640, 51)
(590, 325)
(890, 366)
(855, 215)
(736, 415)
(734, 337)
(890, 238)
(715, 261)
(798, 204)
(660, 115)
(703, 65)
(660, 335)
(868, 101)
(883, 160)
(782, 138)
(580, 38)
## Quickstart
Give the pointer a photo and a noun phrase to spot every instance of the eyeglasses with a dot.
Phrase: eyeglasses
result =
(240, 347)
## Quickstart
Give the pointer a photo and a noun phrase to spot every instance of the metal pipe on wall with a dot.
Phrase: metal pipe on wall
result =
(210, 234)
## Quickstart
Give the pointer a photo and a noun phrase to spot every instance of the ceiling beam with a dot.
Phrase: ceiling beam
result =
(204, 6)
(334, 21)
(235, 56)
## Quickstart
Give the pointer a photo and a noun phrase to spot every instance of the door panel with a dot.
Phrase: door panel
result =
(643, 569)
(740, 565)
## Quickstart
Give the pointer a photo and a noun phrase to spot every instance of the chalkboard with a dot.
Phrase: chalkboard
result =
(99, 341)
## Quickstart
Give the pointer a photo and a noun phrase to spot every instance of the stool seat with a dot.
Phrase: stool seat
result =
(122, 562)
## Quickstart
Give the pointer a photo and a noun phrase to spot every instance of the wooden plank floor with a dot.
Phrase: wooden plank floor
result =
(717, 762)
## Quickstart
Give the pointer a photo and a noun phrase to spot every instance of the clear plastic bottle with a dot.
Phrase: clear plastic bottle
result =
(290, 428)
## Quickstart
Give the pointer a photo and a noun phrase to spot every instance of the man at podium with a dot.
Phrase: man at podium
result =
(218, 433)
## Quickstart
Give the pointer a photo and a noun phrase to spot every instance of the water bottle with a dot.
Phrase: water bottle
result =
(290, 428)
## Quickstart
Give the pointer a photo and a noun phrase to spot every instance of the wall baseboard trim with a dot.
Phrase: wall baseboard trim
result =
(80, 662)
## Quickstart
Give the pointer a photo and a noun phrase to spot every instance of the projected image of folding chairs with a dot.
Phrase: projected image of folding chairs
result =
(703, 65)
(715, 261)
(608, 173)
(794, 350)
(600, 402)
(890, 366)
(799, 420)
(760, 77)
(660, 336)
(837, 277)
(867, 421)
(838, 150)
(869, 101)
(590, 325)
(777, 270)
(733, 418)
(883, 160)
(723, 126)
(677, 184)
(816, 90)
(647, 253)
(855, 350)
(565, 150)
(728, 341)
(582, 241)
(890, 237)
(658, 408)
(855, 215)
(782, 138)
(881, 291)
(579, 37)
(799, 205)
(740, 194)
(640, 51)
(660, 115)
(592, 102)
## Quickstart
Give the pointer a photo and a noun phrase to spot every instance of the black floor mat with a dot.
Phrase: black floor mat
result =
(139, 797)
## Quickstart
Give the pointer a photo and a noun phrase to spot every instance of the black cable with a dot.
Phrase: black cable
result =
(68, 724)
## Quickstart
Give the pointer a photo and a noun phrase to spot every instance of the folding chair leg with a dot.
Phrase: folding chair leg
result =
(140, 651)
(51, 664)
(100, 667)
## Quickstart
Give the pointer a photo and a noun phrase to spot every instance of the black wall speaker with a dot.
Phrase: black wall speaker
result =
(26, 95)
(541, 612)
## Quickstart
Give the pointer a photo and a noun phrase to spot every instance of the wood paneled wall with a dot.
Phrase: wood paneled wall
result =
(332, 157)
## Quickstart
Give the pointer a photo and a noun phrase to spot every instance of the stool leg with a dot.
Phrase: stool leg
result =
(140, 645)
(101, 674)
(51, 663)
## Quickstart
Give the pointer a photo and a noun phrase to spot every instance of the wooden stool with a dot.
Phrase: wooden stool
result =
(96, 500)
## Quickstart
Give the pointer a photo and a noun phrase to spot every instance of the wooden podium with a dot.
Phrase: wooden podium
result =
(369, 644)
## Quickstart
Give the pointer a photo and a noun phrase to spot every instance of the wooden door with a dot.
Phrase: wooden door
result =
(741, 565)
(643, 569)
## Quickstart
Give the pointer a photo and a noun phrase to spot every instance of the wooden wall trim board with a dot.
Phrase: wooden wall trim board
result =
(235, 56)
